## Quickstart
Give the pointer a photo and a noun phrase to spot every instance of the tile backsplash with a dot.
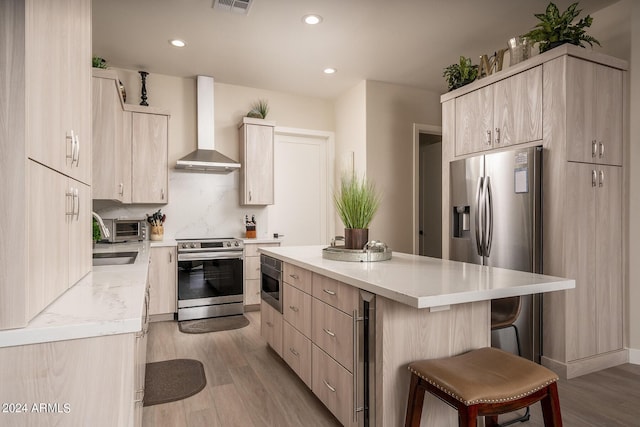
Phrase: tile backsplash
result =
(200, 205)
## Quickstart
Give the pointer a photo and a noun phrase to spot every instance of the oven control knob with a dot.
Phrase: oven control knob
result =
(228, 244)
(184, 245)
(193, 245)
(237, 244)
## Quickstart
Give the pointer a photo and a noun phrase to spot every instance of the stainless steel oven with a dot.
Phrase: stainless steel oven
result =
(210, 278)
(271, 281)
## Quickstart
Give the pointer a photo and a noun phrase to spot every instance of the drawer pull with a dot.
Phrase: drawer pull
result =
(294, 308)
(295, 353)
(332, 293)
(329, 386)
(294, 276)
(328, 332)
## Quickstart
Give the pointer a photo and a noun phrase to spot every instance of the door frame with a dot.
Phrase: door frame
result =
(329, 139)
(419, 128)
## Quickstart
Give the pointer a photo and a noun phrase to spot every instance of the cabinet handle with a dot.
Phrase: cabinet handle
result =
(328, 332)
(170, 257)
(69, 196)
(355, 365)
(249, 195)
(71, 138)
(332, 293)
(77, 156)
(601, 149)
(295, 353)
(497, 135)
(488, 137)
(594, 178)
(76, 204)
(141, 394)
(594, 148)
(294, 276)
(329, 386)
(269, 324)
(162, 193)
(122, 189)
(601, 179)
(294, 308)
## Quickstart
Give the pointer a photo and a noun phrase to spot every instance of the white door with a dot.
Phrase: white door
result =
(303, 188)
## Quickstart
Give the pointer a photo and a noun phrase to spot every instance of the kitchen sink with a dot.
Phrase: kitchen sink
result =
(114, 258)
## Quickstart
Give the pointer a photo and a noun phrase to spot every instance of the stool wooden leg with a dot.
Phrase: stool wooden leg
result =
(491, 421)
(414, 403)
(468, 416)
(551, 407)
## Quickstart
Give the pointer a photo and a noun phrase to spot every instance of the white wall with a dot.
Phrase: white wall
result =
(351, 130)
(391, 111)
(208, 204)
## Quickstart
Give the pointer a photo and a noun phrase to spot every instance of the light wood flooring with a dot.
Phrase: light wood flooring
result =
(249, 385)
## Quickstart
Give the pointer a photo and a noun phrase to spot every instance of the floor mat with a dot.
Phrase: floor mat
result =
(214, 324)
(172, 380)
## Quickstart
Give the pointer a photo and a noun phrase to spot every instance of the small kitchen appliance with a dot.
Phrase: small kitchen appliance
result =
(125, 230)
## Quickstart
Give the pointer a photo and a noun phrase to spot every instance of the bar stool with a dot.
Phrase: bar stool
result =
(483, 382)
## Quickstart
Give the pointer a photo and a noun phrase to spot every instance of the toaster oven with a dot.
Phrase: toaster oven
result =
(126, 230)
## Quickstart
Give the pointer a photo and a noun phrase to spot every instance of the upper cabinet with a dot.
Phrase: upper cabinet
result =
(45, 111)
(58, 86)
(130, 156)
(256, 155)
(506, 113)
(594, 113)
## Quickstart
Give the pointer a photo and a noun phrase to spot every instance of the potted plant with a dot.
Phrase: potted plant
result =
(356, 202)
(98, 62)
(259, 110)
(460, 74)
(555, 29)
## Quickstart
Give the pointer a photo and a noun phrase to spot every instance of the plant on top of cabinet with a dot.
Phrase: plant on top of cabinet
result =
(356, 202)
(259, 109)
(460, 74)
(98, 62)
(555, 29)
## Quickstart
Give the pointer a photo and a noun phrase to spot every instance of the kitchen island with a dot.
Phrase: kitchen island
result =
(424, 308)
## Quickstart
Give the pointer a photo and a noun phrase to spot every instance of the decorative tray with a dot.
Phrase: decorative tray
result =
(372, 252)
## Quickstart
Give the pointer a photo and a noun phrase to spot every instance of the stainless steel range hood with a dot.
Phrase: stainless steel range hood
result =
(206, 158)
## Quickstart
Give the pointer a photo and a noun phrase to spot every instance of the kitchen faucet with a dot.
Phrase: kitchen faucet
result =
(103, 229)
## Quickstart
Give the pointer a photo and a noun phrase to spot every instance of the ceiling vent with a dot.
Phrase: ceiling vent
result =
(235, 6)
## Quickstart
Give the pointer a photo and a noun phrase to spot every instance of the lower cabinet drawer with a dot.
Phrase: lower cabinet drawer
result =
(252, 267)
(332, 331)
(296, 351)
(271, 327)
(296, 308)
(251, 291)
(333, 385)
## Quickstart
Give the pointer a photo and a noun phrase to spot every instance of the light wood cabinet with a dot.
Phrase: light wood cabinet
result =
(271, 327)
(163, 280)
(252, 273)
(149, 157)
(59, 235)
(332, 331)
(130, 161)
(336, 294)
(297, 277)
(296, 352)
(506, 113)
(111, 139)
(256, 155)
(333, 385)
(594, 113)
(57, 37)
(594, 258)
(296, 308)
(46, 47)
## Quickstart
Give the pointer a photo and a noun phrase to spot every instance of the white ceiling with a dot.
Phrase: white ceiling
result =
(406, 42)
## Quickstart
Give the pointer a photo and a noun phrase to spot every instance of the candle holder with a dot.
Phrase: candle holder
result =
(143, 75)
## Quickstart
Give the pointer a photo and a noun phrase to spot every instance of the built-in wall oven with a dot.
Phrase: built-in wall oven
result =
(271, 281)
(210, 278)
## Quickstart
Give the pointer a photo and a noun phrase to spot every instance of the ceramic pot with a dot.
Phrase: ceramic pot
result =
(156, 232)
(355, 238)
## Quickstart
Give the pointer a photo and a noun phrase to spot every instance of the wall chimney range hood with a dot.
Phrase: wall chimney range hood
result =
(206, 158)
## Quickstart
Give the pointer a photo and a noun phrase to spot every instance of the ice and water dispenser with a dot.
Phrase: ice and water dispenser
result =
(461, 221)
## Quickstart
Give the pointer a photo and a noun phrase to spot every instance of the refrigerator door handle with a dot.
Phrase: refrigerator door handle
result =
(489, 214)
(479, 216)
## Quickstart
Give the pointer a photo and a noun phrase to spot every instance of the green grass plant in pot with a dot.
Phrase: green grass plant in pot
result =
(555, 29)
(356, 203)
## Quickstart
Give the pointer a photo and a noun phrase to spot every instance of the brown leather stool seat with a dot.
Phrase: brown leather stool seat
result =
(484, 382)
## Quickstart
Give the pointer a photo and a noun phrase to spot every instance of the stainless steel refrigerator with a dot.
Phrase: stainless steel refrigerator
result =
(496, 221)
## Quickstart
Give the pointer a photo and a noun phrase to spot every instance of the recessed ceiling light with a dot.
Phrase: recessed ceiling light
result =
(330, 70)
(312, 19)
(177, 43)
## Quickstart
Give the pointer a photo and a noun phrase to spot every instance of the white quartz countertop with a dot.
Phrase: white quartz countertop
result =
(107, 301)
(422, 282)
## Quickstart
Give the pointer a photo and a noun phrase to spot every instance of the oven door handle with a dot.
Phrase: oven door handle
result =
(207, 256)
